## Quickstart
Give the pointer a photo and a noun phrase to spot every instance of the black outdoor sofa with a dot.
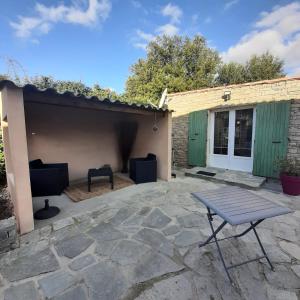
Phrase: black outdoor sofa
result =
(143, 169)
(48, 179)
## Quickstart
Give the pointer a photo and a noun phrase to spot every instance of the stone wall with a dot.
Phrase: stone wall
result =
(294, 130)
(241, 95)
(8, 234)
(180, 140)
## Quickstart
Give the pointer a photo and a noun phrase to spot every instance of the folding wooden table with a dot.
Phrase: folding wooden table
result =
(237, 206)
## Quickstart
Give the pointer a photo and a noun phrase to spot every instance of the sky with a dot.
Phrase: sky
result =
(96, 41)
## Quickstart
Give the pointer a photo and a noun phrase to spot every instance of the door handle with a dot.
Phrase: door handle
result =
(276, 142)
(192, 139)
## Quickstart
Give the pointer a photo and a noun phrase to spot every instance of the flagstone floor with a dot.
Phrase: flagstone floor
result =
(141, 243)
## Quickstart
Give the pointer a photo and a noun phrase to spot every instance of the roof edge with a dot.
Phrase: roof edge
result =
(34, 88)
(235, 85)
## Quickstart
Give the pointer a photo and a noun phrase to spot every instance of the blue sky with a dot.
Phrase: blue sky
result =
(96, 41)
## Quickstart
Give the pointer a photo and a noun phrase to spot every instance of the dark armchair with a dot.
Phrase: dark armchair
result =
(144, 169)
(48, 179)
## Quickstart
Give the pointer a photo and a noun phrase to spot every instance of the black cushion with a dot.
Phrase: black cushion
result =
(35, 164)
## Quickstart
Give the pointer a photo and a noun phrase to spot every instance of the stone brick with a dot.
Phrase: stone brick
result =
(249, 93)
(8, 234)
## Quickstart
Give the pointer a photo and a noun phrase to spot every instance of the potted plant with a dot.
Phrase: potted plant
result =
(290, 176)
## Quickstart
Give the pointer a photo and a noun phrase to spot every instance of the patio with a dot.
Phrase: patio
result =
(141, 243)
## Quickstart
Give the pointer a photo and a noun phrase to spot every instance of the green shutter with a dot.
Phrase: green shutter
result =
(271, 137)
(197, 138)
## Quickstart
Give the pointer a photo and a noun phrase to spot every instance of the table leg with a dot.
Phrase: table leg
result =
(89, 183)
(262, 248)
(214, 235)
(112, 181)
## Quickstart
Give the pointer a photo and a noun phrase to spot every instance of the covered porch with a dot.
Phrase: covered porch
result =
(73, 129)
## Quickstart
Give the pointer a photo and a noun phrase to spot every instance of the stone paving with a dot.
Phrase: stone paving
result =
(141, 243)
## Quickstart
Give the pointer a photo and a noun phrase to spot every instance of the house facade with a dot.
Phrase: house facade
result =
(246, 127)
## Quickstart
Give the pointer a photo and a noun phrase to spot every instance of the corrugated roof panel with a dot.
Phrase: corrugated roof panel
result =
(33, 88)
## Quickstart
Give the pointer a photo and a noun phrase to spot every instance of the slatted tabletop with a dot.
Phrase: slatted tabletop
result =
(238, 206)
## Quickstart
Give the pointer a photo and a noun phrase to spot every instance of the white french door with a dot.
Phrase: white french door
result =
(231, 137)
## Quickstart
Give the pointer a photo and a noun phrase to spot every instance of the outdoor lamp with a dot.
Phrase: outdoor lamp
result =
(226, 95)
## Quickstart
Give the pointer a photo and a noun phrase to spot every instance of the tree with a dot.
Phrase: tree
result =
(77, 87)
(177, 63)
(102, 93)
(231, 73)
(265, 66)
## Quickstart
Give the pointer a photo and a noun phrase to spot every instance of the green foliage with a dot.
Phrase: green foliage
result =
(77, 87)
(263, 67)
(231, 73)
(178, 63)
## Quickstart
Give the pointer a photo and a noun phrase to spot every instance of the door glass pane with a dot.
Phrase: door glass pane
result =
(221, 132)
(243, 132)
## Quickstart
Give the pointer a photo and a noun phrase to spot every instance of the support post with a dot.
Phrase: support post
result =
(16, 156)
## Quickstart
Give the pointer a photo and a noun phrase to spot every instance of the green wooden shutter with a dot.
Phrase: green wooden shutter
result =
(197, 138)
(271, 137)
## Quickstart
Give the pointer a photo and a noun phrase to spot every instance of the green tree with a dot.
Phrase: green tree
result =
(41, 82)
(177, 63)
(77, 87)
(265, 66)
(258, 67)
(103, 93)
(231, 73)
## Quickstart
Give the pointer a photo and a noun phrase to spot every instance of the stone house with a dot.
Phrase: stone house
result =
(245, 127)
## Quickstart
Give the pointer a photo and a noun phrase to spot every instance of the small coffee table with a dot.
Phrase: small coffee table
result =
(104, 171)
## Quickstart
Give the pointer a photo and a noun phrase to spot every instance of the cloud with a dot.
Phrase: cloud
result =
(167, 29)
(145, 36)
(142, 46)
(172, 11)
(136, 4)
(278, 32)
(97, 11)
(207, 20)
(229, 4)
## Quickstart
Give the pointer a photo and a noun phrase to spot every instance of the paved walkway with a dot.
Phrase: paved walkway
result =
(141, 243)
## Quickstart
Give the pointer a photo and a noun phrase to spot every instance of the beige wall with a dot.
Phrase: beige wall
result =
(242, 94)
(157, 142)
(83, 138)
(16, 156)
(86, 138)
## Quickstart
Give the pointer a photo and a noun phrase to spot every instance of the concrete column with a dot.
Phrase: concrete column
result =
(16, 156)
(165, 168)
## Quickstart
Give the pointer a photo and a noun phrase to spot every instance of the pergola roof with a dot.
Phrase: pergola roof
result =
(31, 91)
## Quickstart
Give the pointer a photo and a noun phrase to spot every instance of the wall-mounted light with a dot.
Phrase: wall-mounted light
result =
(227, 95)
(155, 126)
